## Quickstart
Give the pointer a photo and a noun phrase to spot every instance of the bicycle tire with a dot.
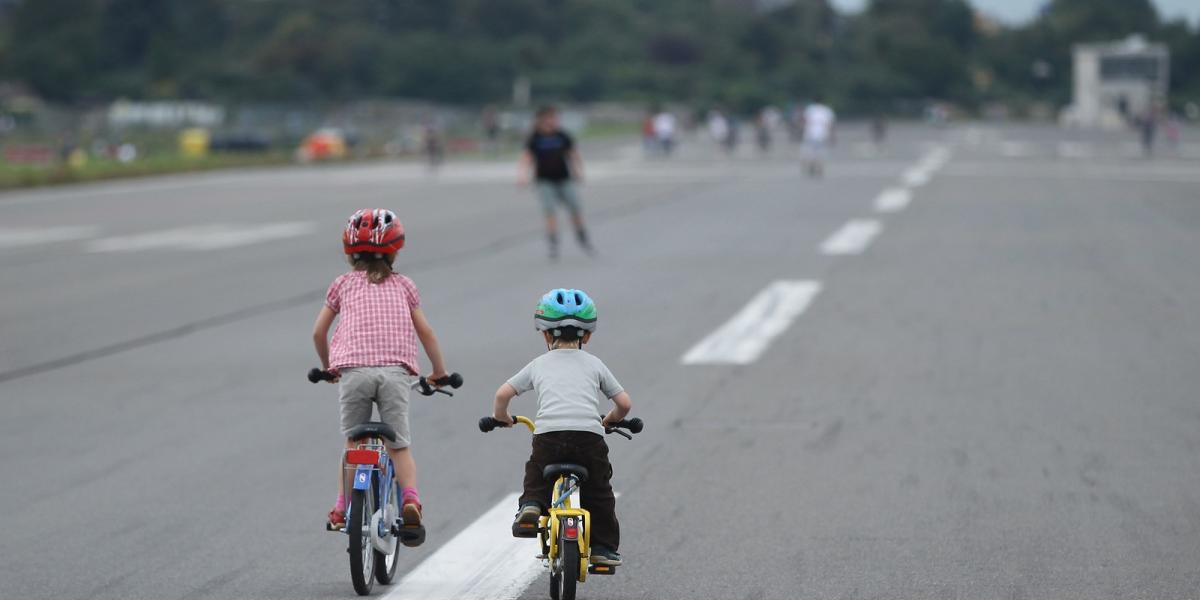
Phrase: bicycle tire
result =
(362, 552)
(570, 569)
(386, 565)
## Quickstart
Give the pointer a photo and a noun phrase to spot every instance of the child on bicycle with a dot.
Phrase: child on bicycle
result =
(570, 384)
(373, 353)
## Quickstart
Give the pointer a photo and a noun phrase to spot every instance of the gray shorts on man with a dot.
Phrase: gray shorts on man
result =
(388, 387)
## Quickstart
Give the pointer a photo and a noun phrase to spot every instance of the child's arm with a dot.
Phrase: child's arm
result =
(504, 395)
(623, 405)
(321, 336)
(429, 341)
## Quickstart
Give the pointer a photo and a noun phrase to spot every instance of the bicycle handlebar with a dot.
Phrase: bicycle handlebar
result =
(422, 386)
(634, 425)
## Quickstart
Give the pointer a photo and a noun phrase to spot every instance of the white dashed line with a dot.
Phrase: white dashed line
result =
(743, 338)
(203, 237)
(13, 238)
(893, 200)
(484, 561)
(852, 238)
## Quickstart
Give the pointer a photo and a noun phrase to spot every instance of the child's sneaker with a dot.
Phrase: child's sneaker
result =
(411, 512)
(337, 521)
(603, 556)
(526, 523)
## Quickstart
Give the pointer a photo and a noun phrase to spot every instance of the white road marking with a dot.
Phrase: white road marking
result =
(484, 561)
(743, 338)
(1012, 149)
(1074, 150)
(13, 237)
(893, 200)
(920, 173)
(852, 238)
(203, 237)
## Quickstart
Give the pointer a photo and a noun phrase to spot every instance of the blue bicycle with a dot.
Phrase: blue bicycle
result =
(374, 522)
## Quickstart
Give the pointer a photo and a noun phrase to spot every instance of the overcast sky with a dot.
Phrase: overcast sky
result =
(1017, 11)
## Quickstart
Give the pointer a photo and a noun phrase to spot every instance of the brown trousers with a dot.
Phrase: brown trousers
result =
(591, 452)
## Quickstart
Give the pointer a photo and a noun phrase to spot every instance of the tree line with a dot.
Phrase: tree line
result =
(735, 53)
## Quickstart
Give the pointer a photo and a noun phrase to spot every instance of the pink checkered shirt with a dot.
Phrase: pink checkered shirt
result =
(375, 326)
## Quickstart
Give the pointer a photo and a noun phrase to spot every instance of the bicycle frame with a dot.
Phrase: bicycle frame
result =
(563, 518)
(372, 467)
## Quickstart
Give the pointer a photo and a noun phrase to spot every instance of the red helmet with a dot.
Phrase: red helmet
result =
(374, 230)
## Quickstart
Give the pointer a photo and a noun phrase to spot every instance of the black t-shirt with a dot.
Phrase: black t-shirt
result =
(550, 152)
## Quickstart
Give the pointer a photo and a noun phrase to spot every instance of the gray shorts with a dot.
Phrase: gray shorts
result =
(553, 193)
(388, 387)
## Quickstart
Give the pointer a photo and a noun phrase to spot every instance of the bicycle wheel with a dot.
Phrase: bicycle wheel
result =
(568, 574)
(385, 564)
(362, 552)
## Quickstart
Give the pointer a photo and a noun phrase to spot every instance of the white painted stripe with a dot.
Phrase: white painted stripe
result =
(893, 200)
(1074, 150)
(12, 238)
(915, 176)
(920, 173)
(744, 337)
(484, 561)
(852, 238)
(202, 237)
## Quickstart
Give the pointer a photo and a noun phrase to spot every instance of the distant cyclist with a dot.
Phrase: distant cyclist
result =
(818, 135)
(551, 157)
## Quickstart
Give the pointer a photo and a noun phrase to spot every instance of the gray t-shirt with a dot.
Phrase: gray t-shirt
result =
(570, 385)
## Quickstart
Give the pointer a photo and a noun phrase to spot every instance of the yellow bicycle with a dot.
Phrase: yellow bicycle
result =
(565, 534)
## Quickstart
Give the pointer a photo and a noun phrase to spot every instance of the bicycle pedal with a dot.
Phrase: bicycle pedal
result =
(601, 569)
(411, 535)
(525, 530)
(335, 528)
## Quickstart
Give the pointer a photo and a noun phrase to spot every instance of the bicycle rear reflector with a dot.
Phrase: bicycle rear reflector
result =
(571, 531)
(362, 457)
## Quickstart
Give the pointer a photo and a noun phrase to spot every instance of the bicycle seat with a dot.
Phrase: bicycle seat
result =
(373, 430)
(553, 471)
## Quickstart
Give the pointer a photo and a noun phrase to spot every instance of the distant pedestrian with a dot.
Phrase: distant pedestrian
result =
(551, 158)
(664, 131)
(818, 135)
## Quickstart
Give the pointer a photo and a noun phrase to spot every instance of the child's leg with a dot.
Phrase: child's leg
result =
(393, 410)
(537, 489)
(596, 494)
(355, 392)
(406, 467)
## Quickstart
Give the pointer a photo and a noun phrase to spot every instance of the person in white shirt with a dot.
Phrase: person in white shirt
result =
(664, 131)
(819, 122)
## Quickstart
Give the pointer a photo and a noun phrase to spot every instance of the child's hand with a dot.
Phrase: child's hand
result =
(505, 420)
(433, 378)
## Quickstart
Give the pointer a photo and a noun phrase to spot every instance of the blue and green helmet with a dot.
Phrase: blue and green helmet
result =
(565, 308)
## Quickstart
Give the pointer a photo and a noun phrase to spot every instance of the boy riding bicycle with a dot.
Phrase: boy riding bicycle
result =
(373, 352)
(569, 384)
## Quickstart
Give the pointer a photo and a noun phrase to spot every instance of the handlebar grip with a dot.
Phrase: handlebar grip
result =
(315, 375)
(453, 380)
(634, 425)
(487, 424)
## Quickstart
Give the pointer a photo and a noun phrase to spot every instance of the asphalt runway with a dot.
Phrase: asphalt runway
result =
(963, 364)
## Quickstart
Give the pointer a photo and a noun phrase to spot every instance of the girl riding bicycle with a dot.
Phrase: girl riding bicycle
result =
(373, 353)
(569, 384)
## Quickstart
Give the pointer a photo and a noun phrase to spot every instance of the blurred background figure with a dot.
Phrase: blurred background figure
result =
(649, 145)
(431, 141)
(664, 131)
(878, 129)
(762, 131)
(818, 135)
(718, 128)
(491, 129)
(552, 159)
